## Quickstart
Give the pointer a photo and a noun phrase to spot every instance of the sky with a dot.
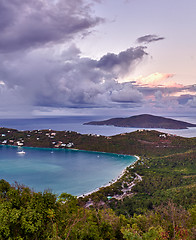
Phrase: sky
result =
(98, 57)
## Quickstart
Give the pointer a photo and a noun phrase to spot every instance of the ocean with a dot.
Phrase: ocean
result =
(75, 123)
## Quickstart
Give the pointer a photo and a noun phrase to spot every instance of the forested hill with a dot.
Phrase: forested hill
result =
(144, 121)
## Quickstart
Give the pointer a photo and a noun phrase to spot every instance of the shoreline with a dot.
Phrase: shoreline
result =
(79, 150)
(110, 182)
(65, 149)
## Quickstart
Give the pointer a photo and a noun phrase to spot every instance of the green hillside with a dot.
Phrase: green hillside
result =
(154, 199)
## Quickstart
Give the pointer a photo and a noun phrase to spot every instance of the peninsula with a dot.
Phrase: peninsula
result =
(140, 142)
(144, 121)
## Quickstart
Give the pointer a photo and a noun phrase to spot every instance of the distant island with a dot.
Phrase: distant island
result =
(144, 121)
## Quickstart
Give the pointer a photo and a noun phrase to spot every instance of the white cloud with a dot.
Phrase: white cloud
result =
(2, 83)
(127, 94)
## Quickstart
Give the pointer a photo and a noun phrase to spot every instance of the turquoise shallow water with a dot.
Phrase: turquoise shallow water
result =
(74, 172)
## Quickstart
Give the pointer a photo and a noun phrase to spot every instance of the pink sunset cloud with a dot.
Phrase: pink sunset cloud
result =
(158, 80)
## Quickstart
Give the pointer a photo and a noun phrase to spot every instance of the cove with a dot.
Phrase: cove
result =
(61, 170)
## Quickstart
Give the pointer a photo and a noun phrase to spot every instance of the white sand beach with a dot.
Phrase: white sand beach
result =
(111, 182)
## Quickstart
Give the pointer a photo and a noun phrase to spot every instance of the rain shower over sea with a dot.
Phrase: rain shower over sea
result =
(60, 170)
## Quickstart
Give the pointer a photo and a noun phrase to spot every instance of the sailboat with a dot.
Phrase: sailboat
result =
(21, 152)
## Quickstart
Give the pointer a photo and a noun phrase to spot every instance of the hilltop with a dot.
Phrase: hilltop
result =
(144, 121)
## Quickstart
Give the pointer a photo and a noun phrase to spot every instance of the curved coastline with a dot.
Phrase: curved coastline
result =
(65, 149)
(112, 181)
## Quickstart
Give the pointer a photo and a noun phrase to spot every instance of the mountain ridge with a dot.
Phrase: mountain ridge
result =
(144, 121)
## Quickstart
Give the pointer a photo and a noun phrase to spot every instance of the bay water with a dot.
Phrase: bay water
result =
(60, 170)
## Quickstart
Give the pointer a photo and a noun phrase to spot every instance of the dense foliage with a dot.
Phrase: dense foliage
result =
(163, 179)
(25, 214)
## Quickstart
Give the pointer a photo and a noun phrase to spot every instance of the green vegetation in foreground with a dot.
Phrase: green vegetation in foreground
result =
(25, 214)
(155, 199)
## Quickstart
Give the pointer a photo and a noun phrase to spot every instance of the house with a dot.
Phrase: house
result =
(69, 145)
(141, 130)
(162, 136)
(57, 145)
(19, 143)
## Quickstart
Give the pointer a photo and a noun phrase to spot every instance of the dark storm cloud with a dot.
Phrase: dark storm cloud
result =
(69, 80)
(27, 24)
(46, 79)
(149, 38)
(121, 63)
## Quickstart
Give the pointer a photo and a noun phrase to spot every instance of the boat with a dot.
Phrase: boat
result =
(21, 152)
